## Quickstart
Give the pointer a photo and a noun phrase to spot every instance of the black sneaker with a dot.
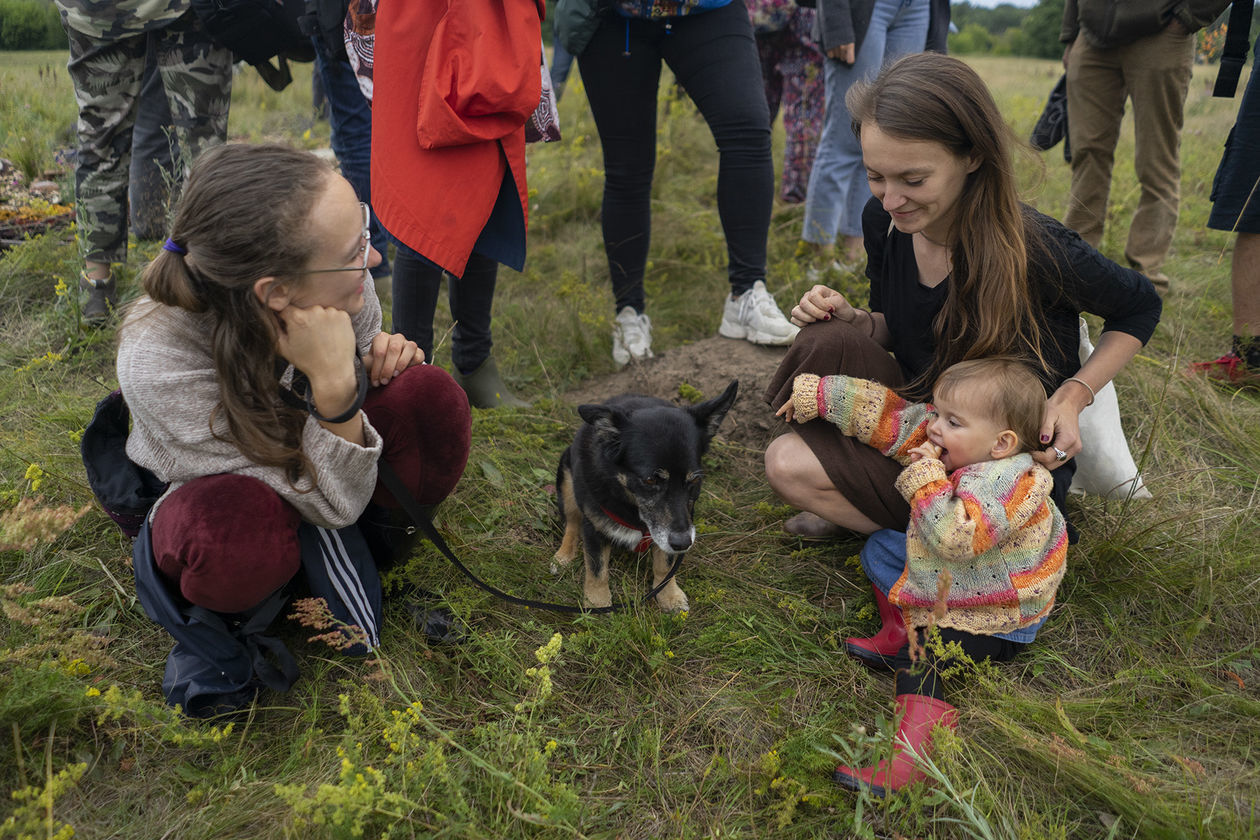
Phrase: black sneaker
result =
(102, 298)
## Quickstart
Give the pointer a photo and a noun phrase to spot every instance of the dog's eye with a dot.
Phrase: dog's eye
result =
(656, 479)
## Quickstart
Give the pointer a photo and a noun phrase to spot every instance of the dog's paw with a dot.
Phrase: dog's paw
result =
(561, 561)
(672, 599)
(596, 597)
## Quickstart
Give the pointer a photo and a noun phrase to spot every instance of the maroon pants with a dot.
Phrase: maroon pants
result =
(228, 541)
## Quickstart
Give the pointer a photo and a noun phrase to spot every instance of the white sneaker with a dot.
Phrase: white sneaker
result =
(632, 336)
(755, 316)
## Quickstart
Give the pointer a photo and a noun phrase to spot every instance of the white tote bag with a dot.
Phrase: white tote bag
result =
(1105, 465)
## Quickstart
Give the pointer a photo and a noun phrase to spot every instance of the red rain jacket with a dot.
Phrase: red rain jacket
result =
(454, 82)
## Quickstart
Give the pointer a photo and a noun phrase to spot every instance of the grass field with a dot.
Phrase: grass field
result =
(1133, 715)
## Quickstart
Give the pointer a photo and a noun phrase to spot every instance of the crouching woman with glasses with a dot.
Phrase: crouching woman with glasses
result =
(263, 390)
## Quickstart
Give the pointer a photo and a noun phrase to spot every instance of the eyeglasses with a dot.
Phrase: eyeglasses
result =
(366, 248)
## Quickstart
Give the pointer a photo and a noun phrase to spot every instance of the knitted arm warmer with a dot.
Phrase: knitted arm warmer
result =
(805, 397)
(873, 414)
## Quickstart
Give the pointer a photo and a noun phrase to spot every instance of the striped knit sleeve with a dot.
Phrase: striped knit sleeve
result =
(873, 414)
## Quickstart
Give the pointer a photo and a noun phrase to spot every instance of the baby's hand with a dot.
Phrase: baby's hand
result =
(927, 449)
(787, 411)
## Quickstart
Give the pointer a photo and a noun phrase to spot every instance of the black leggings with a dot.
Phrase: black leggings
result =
(416, 285)
(714, 58)
(923, 677)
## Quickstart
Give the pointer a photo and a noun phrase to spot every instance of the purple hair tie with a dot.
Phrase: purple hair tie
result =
(172, 246)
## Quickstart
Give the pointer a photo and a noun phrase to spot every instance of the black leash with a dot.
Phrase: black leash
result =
(422, 520)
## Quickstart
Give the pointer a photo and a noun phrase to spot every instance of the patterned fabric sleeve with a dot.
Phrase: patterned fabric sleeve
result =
(360, 31)
(863, 409)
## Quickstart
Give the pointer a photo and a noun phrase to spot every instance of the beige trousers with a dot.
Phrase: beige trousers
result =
(1154, 73)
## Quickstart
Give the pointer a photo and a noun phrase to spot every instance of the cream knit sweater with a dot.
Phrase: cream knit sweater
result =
(167, 376)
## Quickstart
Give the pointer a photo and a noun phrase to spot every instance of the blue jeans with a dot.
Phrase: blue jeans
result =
(154, 153)
(561, 63)
(837, 184)
(350, 118)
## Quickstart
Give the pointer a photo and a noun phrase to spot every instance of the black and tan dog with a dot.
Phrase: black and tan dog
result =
(631, 478)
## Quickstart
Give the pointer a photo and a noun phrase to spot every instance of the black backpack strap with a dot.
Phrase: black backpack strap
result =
(277, 76)
(1234, 55)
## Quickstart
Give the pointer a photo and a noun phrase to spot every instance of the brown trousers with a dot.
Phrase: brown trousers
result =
(862, 474)
(1154, 73)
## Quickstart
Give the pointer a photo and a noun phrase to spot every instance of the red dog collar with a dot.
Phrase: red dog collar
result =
(645, 543)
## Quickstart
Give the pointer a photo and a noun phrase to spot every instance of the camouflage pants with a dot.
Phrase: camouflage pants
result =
(107, 74)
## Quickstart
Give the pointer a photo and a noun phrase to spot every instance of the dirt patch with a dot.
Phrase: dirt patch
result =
(708, 366)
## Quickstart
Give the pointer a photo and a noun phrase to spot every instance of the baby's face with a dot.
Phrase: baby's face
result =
(964, 434)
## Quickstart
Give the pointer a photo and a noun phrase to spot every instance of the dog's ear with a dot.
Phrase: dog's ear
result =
(709, 415)
(605, 421)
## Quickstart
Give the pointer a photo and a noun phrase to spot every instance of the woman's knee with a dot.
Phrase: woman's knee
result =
(787, 459)
(425, 423)
(226, 541)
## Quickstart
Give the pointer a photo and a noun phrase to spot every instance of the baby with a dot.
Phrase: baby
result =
(985, 547)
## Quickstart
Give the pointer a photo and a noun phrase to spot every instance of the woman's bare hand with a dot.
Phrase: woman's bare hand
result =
(390, 355)
(317, 340)
(822, 303)
(845, 53)
(1060, 432)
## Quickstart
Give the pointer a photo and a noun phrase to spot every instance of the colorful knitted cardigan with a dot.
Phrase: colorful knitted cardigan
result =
(992, 526)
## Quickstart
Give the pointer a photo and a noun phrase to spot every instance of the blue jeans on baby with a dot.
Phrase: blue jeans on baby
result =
(837, 183)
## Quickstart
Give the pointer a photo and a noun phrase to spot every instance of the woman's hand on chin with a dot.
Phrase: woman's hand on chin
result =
(319, 341)
(391, 354)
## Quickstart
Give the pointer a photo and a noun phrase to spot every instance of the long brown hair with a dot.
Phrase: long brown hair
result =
(243, 215)
(989, 307)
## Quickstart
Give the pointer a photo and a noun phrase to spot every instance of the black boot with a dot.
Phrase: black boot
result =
(102, 298)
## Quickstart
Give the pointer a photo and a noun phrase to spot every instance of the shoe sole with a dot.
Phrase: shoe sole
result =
(729, 331)
(847, 781)
(834, 532)
(876, 662)
(617, 360)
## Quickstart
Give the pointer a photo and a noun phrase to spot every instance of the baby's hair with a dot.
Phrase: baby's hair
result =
(1007, 389)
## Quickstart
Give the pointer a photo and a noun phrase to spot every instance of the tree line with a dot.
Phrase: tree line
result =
(1034, 32)
(31, 25)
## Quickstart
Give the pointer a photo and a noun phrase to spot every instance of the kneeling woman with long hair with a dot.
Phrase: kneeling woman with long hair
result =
(262, 388)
